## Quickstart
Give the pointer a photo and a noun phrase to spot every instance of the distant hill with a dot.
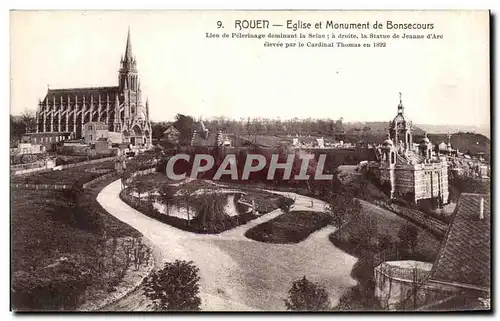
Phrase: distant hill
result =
(471, 143)
(445, 129)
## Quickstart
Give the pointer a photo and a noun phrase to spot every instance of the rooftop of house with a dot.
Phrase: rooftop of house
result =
(171, 128)
(465, 254)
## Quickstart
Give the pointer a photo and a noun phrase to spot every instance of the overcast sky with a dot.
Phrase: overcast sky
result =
(442, 81)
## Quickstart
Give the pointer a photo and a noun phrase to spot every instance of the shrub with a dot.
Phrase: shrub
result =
(175, 287)
(304, 295)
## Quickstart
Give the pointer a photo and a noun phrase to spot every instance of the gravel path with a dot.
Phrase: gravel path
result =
(237, 273)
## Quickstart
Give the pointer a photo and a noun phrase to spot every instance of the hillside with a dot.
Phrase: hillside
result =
(465, 142)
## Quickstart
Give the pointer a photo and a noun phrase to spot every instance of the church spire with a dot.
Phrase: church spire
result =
(128, 48)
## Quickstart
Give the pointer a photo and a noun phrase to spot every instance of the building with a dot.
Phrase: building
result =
(172, 134)
(47, 139)
(94, 131)
(202, 137)
(408, 173)
(459, 278)
(119, 107)
(102, 146)
(397, 281)
(28, 148)
(464, 259)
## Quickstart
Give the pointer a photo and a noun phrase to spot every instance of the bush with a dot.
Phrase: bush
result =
(175, 287)
(307, 296)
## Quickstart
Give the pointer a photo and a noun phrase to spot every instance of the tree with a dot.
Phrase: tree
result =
(385, 244)
(285, 204)
(157, 130)
(185, 125)
(175, 287)
(211, 211)
(408, 238)
(166, 196)
(140, 187)
(368, 229)
(29, 121)
(304, 295)
(186, 191)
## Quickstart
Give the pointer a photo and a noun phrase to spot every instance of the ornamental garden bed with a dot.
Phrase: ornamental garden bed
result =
(291, 227)
(199, 206)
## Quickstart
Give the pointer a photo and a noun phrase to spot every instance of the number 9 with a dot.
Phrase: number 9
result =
(219, 24)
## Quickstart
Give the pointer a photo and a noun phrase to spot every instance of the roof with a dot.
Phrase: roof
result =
(44, 134)
(210, 141)
(465, 254)
(71, 93)
(169, 128)
(406, 270)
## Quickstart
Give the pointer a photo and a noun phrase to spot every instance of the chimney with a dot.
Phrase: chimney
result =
(481, 209)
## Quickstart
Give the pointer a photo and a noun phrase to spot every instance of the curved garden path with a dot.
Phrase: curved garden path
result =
(238, 273)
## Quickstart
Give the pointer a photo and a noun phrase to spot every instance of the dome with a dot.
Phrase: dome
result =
(399, 118)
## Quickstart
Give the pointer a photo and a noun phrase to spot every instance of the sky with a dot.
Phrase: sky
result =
(181, 71)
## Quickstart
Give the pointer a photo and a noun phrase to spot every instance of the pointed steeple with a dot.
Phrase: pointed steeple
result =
(128, 48)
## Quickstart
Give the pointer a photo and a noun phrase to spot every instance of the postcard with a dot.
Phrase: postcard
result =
(282, 160)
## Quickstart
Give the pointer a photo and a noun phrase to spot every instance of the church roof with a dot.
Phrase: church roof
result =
(465, 254)
(88, 92)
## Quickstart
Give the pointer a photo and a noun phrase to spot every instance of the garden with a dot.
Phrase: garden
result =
(73, 175)
(291, 227)
(198, 206)
(67, 250)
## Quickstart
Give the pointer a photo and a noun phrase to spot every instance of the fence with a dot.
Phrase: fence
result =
(46, 169)
(139, 173)
(42, 186)
(37, 164)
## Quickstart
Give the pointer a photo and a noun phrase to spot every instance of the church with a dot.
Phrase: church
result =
(411, 172)
(119, 108)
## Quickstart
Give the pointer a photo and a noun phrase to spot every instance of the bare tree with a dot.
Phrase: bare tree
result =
(29, 121)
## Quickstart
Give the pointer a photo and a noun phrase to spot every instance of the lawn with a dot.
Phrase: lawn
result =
(80, 174)
(65, 248)
(291, 227)
(364, 233)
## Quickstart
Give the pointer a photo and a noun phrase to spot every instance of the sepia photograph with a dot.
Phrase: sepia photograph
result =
(250, 161)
